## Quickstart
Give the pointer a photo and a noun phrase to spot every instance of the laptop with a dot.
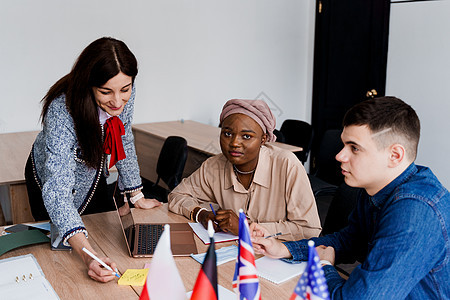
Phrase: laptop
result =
(142, 238)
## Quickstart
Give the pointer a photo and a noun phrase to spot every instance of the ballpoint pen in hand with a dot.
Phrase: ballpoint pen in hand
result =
(214, 212)
(100, 261)
(212, 208)
(272, 235)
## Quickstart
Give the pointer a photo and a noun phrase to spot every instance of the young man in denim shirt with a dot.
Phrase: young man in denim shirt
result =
(400, 228)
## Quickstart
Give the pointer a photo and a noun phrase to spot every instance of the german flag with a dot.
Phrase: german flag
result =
(206, 284)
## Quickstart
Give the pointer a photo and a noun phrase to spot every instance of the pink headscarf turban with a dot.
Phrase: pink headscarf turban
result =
(258, 110)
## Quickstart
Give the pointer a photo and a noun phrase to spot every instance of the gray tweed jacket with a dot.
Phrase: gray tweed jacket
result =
(66, 182)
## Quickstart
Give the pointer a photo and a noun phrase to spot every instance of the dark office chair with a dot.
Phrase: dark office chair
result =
(327, 175)
(298, 133)
(279, 135)
(170, 166)
(342, 204)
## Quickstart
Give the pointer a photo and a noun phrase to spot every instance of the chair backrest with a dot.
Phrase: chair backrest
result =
(298, 133)
(279, 135)
(342, 204)
(172, 160)
(325, 165)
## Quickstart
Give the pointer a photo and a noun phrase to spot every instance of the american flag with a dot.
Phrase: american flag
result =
(312, 284)
(245, 280)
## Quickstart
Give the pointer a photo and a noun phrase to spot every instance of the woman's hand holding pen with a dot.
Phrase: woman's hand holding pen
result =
(223, 220)
(95, 270)
(98, 272)
(204, 216)
(228, 221)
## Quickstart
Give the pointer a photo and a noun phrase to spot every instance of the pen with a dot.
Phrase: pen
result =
(272, 235)
(212, 208)
(100, 261)
(214, 212)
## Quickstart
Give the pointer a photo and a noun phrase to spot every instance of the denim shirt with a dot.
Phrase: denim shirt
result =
(401, 236)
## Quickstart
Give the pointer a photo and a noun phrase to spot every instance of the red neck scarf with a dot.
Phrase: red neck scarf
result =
(113, 140)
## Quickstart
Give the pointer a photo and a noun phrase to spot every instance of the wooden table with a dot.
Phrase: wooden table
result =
(202, 140)
(115, 248)
(67, 274)
(14, 151)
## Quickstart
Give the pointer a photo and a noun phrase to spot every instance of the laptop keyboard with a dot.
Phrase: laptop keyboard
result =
(149, 235)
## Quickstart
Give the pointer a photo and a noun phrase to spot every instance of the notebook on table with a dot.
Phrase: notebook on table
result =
(278, 271)
(219, 237)
(21, 277)
(141, 238)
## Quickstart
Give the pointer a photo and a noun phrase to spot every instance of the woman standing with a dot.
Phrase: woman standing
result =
(85, 115)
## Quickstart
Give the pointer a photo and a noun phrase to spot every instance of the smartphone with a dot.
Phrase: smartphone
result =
(23, 227)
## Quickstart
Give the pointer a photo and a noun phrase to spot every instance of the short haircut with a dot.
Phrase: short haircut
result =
(393, 120)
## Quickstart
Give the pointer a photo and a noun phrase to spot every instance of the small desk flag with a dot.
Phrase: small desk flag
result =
(245, 280)
(163, 280)
(312, 284)
(206, 284)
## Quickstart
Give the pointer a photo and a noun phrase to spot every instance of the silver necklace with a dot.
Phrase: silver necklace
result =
(242, 172)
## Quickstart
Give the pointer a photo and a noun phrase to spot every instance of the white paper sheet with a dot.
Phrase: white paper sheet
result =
(219, 237)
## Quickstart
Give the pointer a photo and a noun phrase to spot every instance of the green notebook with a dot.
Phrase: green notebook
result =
(19, 239)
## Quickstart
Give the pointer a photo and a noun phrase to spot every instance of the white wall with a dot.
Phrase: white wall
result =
(196, 54)
(419, 73)
(193, 55)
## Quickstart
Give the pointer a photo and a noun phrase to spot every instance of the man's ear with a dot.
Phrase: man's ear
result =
(397, 154)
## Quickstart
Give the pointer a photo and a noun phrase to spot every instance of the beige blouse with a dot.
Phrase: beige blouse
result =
(280, 197)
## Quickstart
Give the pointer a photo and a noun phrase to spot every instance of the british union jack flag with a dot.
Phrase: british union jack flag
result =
(245, 280)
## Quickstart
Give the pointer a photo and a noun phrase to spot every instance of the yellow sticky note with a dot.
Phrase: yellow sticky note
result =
(135, 277)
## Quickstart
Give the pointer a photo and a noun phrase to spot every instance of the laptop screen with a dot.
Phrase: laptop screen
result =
(181, 235)
(127, 221)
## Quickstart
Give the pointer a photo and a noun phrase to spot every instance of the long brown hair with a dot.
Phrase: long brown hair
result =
(100, 61)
